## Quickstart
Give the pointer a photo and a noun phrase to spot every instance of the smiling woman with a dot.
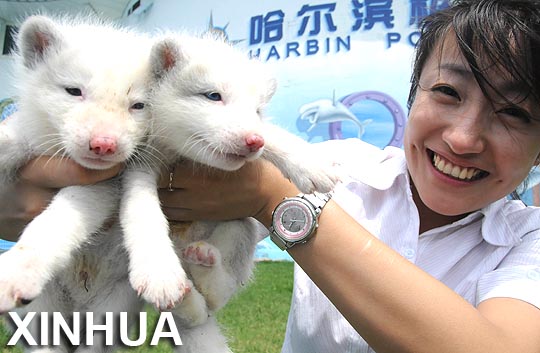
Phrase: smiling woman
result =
(470, 141)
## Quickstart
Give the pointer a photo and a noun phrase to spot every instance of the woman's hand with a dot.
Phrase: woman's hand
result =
(200, 192)
(38, 182)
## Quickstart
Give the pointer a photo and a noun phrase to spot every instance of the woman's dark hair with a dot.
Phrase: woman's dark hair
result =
(502, 33)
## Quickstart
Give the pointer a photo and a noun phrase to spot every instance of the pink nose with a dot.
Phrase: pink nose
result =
(103, 145)
(254, 142)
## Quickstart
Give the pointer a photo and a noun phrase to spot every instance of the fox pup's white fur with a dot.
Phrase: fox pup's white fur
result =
(73, 102)
(82, 95)
(83, 88)
(207, 102)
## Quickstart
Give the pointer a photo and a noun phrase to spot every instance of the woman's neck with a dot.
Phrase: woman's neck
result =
(430, 219)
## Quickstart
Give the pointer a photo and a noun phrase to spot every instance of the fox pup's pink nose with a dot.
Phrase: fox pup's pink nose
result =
(254, 142)
(103, 145)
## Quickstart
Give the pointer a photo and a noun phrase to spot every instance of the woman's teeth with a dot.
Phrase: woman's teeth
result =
(455, 171)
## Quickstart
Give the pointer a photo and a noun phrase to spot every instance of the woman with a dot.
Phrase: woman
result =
(418, 250)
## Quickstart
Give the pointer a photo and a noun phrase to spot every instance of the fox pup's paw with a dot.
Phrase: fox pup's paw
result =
(311, 175)
(192, 311)
(160, 280)
(201, 253)
(22, 277)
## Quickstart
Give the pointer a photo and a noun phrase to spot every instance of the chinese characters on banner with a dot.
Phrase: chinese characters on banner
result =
(313, 19)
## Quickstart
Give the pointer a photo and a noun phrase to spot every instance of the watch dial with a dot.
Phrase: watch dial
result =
(295, 220)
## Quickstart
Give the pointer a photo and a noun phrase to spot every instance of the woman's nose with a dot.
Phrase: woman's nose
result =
(467, 133)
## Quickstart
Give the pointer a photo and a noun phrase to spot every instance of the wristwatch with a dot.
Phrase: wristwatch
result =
(294, 219)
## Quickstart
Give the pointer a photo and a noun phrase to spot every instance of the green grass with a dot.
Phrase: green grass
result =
(254, 320)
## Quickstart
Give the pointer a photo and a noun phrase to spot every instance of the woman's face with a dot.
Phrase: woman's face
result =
(464, 151)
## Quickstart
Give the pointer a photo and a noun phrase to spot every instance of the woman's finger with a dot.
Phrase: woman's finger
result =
(194, 192)
(186, 174)
(20, 204)
(61, 172)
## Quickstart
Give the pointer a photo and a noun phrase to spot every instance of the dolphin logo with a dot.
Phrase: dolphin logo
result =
(329, 111)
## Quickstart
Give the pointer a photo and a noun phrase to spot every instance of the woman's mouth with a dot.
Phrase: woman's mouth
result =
(455, 171)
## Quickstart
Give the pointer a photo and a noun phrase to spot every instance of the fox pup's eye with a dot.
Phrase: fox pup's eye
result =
(213, 96)
(74, 91)
(138, 106)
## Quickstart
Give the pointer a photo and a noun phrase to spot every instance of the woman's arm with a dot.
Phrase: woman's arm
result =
(397, 307)
(38, 182)
(393, 304)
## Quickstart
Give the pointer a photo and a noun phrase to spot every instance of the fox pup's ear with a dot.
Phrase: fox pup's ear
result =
(166, 55)
(38, 36)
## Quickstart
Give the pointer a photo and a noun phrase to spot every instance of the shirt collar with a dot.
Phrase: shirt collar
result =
(504, 222)
(507, 221)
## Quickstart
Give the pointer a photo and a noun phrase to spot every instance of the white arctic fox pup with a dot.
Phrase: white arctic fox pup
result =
(73, 102)
(207, 104)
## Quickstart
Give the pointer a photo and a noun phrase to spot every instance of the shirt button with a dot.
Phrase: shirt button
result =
(409, 253)
(533, 274)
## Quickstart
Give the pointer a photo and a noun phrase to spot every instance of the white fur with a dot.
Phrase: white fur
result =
(110, 67)
(55, 57)
(56, 263)
(206, 104)
(187, 124)
(217, 256)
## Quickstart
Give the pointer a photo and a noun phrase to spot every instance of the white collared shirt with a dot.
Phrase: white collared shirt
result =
(494, 252)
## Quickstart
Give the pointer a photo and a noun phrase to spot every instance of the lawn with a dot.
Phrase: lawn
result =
(254, 320)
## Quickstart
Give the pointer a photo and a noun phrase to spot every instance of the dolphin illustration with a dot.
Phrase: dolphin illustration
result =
(329, 111)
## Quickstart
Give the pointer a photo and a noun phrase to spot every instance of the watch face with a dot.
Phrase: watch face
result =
(293, 220)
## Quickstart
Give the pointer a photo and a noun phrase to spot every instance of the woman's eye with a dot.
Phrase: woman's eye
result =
(138, 106)
(446, 90)
(74, 91)
(213, 96)
(516, 112)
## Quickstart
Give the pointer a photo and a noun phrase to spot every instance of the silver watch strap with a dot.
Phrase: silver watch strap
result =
(317, 199)
(281, 244)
